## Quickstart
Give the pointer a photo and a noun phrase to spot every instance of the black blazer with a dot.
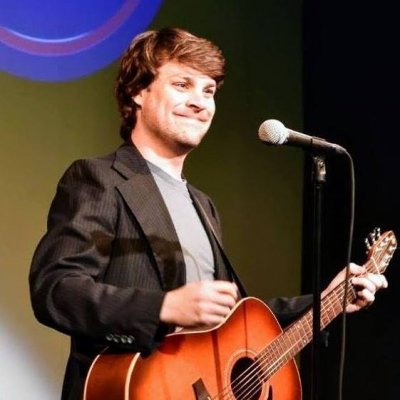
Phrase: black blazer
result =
(109, 255)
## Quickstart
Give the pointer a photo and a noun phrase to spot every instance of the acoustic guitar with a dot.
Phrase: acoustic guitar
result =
(247, 357)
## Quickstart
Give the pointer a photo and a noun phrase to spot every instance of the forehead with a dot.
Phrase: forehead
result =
(173, 69)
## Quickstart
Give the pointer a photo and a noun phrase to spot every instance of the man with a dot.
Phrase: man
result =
(133, 251)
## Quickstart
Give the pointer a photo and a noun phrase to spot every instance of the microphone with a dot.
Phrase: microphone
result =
(273, 132)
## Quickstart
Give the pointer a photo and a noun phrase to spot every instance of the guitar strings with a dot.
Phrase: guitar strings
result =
(252, 389)
(351, 296)
(279, 362)
(253, 370)
(245, 376)
(282, 360)
(285, 357)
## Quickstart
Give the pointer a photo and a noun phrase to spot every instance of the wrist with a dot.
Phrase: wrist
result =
(165, 310)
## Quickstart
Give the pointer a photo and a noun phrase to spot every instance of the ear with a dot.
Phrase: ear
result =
(138, 98)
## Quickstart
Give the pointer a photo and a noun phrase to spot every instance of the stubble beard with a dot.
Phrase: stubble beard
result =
(183, 141)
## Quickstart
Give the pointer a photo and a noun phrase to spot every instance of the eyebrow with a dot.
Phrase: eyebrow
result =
(190, 78)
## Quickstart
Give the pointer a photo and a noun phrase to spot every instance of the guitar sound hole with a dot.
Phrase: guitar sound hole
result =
(249, 385)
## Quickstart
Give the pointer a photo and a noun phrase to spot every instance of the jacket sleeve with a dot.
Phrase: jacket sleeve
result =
(68, 267)
(288, 309)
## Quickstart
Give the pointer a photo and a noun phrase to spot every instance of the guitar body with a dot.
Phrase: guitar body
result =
(247, 357)
(197, 364)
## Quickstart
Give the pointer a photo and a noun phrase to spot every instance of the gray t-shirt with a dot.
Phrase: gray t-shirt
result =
(196, 247)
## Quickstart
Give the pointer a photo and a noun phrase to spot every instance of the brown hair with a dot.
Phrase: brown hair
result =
(149, 51)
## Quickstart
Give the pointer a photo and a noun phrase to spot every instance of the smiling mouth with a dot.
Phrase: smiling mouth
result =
(193, 118)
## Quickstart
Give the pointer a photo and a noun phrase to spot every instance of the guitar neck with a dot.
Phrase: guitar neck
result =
(300, 333)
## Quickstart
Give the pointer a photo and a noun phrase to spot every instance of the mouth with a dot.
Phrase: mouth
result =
(191, 117)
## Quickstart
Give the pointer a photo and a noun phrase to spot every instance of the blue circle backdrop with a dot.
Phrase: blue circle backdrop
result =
(60, 41)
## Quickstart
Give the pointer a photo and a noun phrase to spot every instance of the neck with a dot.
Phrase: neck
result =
(163, 157)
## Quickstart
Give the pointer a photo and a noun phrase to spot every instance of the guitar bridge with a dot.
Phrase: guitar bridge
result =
(200, 390)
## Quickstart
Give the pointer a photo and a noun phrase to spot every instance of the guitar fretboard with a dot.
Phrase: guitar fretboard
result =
(300, 333)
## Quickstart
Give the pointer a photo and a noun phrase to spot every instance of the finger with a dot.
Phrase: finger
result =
(217, 292)
(219, 310)
(353, 307)
(358, 304)
(211, 315)
(357, 269)
(236, 289)
(365, 296)
(211, 320)
(372, 282)
(364, 283)
(223, 299)
(379, 281)
(225, 287)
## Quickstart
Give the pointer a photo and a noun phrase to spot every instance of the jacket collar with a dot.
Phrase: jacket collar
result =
(144, 199)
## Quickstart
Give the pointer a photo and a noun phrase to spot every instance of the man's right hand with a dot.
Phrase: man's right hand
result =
(204, 303)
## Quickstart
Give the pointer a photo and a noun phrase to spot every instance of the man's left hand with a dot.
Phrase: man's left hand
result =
(365, 284)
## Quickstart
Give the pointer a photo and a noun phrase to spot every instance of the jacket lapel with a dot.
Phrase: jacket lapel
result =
(212, 229)
(144, 199)
(223, 268)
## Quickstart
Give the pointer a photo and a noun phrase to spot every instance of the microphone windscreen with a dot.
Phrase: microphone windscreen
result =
(273, 131)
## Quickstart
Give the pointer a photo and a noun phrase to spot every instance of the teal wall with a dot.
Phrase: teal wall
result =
(258, 190)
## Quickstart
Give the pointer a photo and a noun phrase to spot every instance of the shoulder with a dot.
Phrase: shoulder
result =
(90, 178)
(94, 170)
(86, 188)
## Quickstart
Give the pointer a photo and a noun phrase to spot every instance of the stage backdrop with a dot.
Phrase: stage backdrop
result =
(55, 111)
(351, 98)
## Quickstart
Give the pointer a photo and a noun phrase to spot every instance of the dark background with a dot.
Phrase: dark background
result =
(350, 97)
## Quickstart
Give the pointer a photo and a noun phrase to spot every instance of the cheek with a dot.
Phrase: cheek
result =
(211, 106)
(212, 110)
(171, 96)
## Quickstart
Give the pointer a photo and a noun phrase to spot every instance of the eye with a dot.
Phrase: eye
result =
(181, 85)
(210, 91)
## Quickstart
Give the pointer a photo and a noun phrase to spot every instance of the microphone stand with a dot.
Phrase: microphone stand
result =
(318, 179)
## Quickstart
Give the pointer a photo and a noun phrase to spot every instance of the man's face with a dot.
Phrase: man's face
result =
(176, 110)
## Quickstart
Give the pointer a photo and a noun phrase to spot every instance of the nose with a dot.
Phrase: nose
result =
(198, 100)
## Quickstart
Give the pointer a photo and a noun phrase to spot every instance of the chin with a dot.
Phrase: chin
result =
(191, 137)
(186, 145)
(189, 145)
